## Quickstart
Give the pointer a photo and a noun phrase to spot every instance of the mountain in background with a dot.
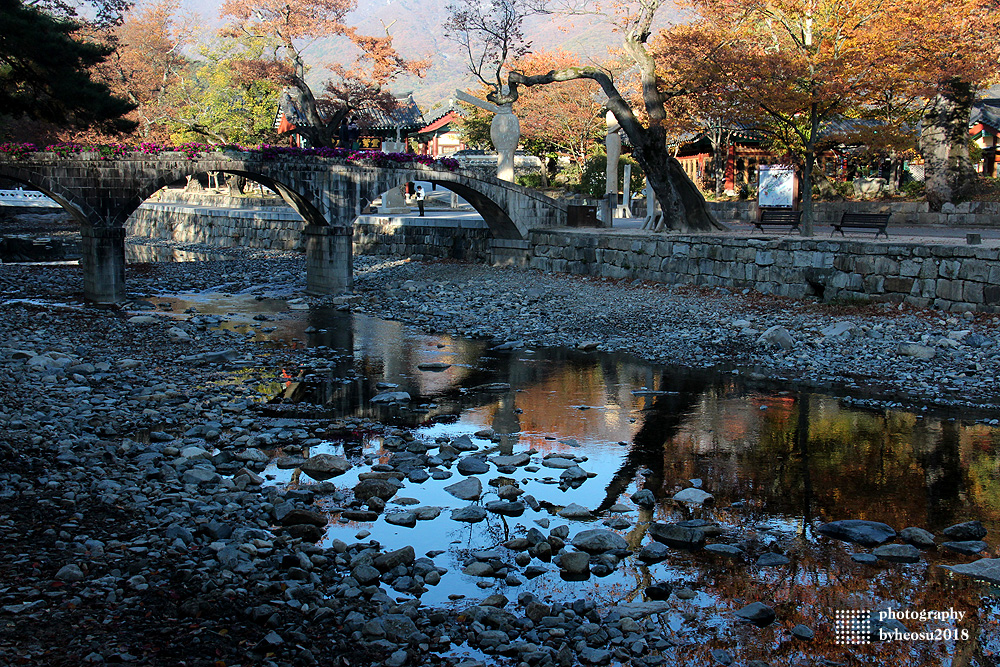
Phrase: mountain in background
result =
(416, 29)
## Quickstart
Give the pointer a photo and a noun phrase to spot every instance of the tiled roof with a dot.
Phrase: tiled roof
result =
(987, 112)
(440, 122)
(406, 116)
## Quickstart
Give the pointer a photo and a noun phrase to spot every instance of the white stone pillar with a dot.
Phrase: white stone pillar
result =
(505, 131)
(613, 144)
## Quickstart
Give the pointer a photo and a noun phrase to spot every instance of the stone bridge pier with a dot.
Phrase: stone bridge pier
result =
(329, 259)
(102, 258)
(102, 193)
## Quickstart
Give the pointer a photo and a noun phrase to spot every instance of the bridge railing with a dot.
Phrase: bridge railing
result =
(26, 198)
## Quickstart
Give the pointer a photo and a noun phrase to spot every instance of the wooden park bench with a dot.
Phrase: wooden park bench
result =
(876, 222)
(779, 217)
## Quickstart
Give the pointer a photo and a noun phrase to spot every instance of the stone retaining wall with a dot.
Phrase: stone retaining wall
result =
(966, 214)
(277, 228)
(947, 277)
(422, 238)
(955, 278)
(282, 229)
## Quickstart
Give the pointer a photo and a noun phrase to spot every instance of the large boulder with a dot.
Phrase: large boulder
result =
(777, 336)
(970, 530)
(984, 569)
(575, 562)
(377, 488)
(898, 553)
(514, 508)
(473, 465)
(391, 559)
(865, 533)
(325, 466)
(757, 613)
(680, 537)
(469, 488)
(513, 460)
(469, 514)
(693, 496)
(575, 511)
(598, 540)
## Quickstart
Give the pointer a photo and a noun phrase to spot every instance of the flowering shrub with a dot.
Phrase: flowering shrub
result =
(66, 148)
(17, 151)
(264, 152)
(111, 151)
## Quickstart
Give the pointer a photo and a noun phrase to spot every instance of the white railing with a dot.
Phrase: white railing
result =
(26, 198)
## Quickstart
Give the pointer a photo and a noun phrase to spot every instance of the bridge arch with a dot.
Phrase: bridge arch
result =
(102, 193)
(510, 210)
(500, 224)
(300, 203)
(76, 207)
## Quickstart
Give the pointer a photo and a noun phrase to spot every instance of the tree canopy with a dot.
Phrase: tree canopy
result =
(46, 74)
(289, 24)
(148, 64)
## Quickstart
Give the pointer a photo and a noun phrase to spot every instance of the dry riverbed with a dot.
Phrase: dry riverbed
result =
(140, 530)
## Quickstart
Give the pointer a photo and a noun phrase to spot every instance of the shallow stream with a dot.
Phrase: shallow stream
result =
(778, 463)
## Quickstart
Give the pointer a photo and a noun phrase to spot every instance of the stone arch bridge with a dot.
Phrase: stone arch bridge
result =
(101, 194)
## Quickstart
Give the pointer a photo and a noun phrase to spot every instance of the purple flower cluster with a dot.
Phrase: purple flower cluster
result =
(192, 150)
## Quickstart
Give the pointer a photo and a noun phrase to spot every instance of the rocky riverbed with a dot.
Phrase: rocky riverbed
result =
(140, 528)
(871, 350)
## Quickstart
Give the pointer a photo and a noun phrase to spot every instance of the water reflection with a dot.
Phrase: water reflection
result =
(780, 454)
(140, 253)
(777, 463)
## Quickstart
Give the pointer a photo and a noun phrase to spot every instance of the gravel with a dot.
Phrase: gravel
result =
(865, 350)
(138, 528)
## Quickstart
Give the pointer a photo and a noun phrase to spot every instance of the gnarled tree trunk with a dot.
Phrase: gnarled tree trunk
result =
(684, 207)
(944, 143)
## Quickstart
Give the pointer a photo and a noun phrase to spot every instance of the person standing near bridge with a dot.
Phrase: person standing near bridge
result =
(419, 196)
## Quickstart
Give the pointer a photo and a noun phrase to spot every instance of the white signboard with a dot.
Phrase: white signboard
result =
(776, 186)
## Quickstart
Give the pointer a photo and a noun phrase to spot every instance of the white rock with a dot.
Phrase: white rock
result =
(840, 331)
(178, 335)
(777, 336)
(693, 496)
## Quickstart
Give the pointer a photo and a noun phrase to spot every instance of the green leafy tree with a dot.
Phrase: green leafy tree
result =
(593, 175)
(45, 74)
(223, 102)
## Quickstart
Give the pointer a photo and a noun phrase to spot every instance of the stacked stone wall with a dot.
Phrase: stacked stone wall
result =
(946, 277)
(277, 228)
(983, 214)
(420, 240)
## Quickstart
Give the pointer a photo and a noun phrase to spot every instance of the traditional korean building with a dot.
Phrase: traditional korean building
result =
(984, 129)
(744, 155)
(747, 151)
(440, 137)
(376, 124)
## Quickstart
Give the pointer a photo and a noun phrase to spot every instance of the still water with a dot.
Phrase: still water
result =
(778, 463)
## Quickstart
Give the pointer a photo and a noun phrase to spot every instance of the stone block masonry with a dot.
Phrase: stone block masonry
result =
(977, 214)
(423, 238)
(280, 228)
(274, 227)
(945, 277)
